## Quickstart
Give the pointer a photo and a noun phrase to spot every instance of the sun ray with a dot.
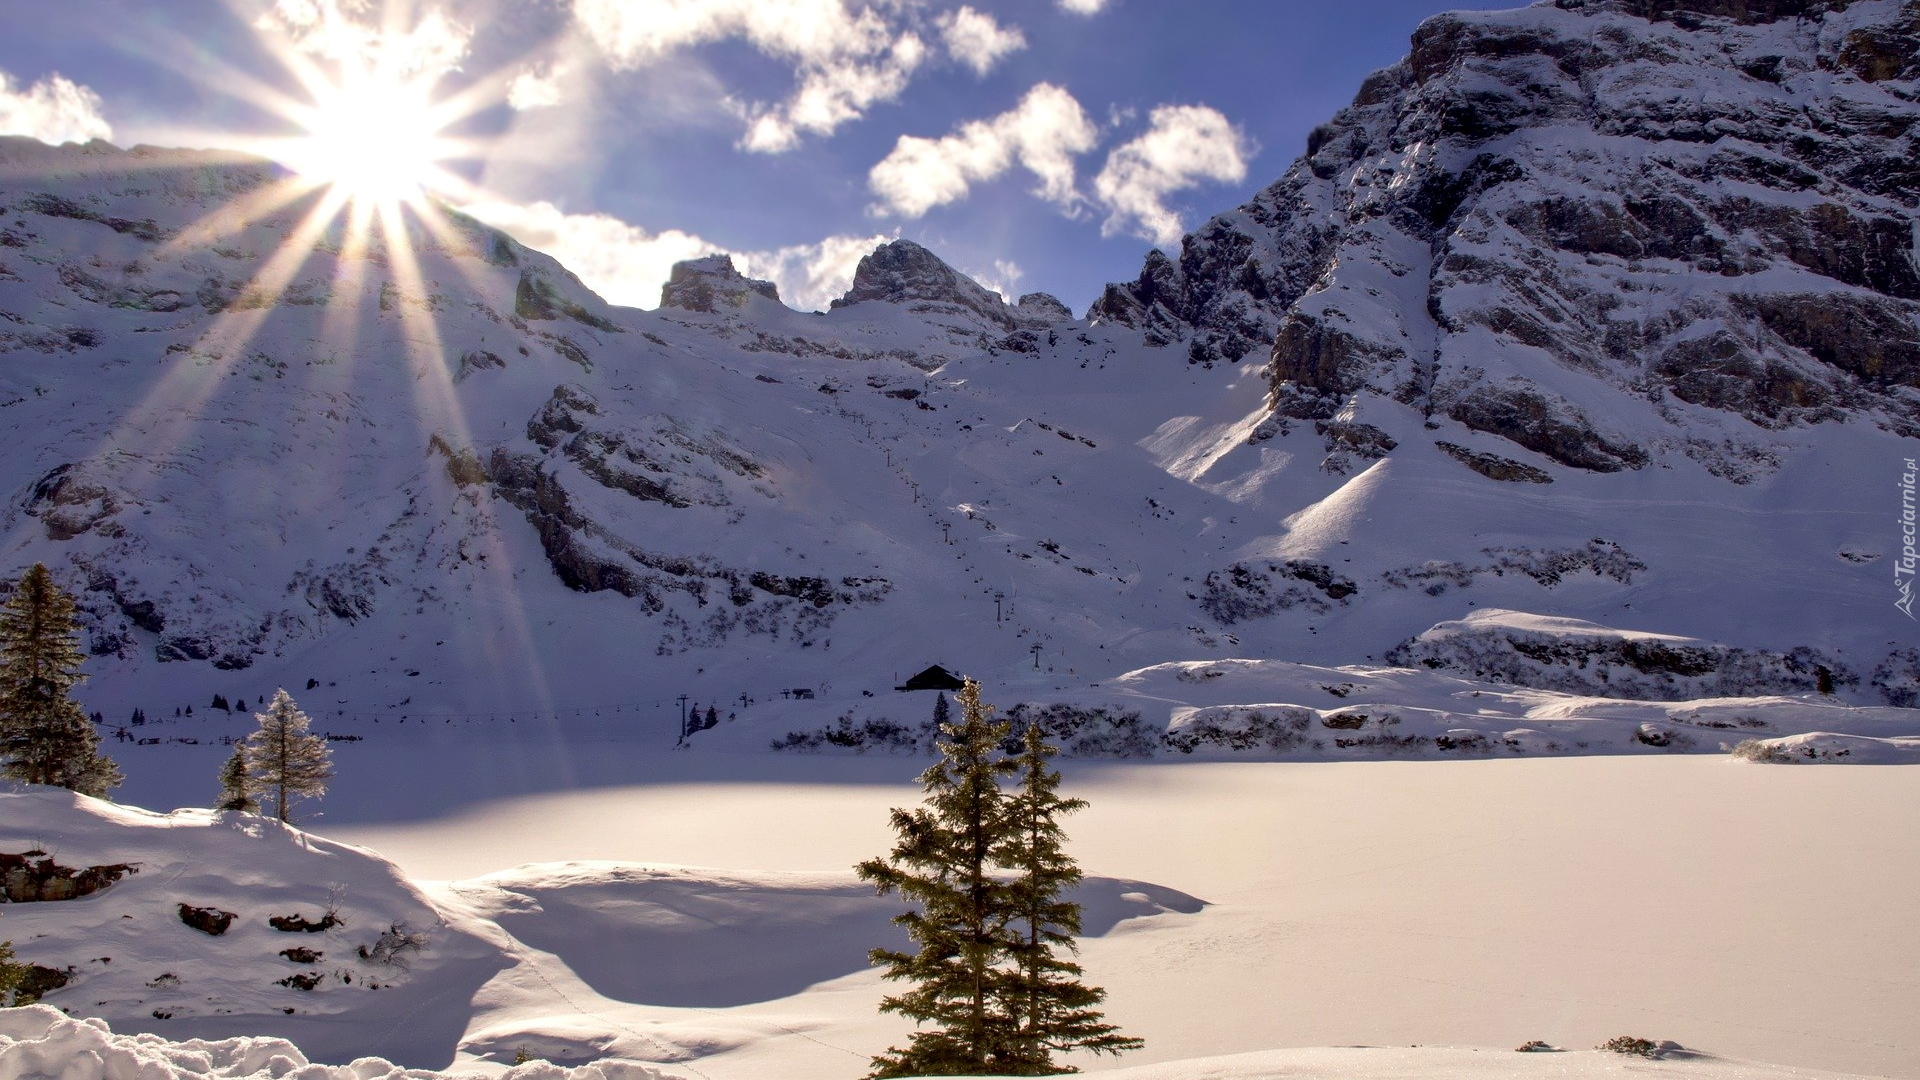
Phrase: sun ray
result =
(439, 405)
(373, 161)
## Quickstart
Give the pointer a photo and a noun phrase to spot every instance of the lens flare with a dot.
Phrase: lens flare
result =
(376, 138)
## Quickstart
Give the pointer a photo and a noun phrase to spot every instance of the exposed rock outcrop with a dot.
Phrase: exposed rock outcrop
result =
(1659, 204)
(903, 272)
(712, 284)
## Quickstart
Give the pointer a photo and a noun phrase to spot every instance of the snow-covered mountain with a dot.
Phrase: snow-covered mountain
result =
(1594, 311)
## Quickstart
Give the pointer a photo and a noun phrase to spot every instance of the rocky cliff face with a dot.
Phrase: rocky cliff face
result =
(1587, 310)
(903, 272)
(1602, 231)
(710, 284)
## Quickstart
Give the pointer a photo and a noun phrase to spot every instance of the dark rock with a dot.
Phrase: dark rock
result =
(300, 924)
(70, 501)
(1321, 358)
(478, 360)
(1876, 340)
(1361, 440)
(1551, 428)
(903, 272)
(1742, 11)
(1257, 590)
(38, 982)
(536, 298)
(1878, 54)
(1721, 371)
(710, 284)
(463, 465)
(207, 920)
(1043, 307)
(1495, 467)
(35, 877)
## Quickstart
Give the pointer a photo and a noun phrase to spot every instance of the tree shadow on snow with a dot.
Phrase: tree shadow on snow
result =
(708, 939)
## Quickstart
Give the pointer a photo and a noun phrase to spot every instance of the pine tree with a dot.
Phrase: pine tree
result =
(942, 715)
(942, 861)
(283, 760)
(1052, 1009)
(12, 977)
(45, 738)
(236, 791)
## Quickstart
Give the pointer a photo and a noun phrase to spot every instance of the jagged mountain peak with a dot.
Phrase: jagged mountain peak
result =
(1607, 233)
(704, 284)
(1575, 284)
(903, 272)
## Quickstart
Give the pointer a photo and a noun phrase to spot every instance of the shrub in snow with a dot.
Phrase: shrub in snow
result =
(1627, 1044)
(1086, 731)
(395, 946)
(1663, 738)
(1898, 678)
(1235, 728)
(874, 733)
(1759, 750)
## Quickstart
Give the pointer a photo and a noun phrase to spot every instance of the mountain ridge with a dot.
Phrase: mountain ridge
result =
(1542, 333)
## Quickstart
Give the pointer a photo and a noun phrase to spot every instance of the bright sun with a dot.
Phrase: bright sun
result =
(375, 138)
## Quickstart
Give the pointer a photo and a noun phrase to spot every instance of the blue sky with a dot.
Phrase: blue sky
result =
(1037, 144)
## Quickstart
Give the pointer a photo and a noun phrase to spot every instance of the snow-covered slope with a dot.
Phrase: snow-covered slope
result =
(218, 925)
(39, 1041)
(1478, 903)
(1577, 313)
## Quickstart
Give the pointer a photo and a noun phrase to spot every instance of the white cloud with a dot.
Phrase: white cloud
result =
(1083, 7)
(845, 59)
(830, 95)
(811, 276)
(347, 32)
(54, 110)
(976, 40)
(1004, 279)
(1184, 145)
(534, 90)
(1043, 134)
(625, 264)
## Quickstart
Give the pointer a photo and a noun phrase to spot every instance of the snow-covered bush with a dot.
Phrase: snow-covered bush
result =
(395, 947)
(1898, 677)
(1237, 728)
(1586, 658)
(1759, 750)
(872, 733)
(1085, 731)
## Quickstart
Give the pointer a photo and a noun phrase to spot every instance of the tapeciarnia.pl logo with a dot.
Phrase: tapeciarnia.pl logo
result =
(1903, 570)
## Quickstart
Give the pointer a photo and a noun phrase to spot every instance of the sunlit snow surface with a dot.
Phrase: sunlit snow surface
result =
(1745, 910)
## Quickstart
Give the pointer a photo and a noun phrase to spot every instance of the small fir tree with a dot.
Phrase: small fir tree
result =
(942, 715)
(236, 787)
(1052, 1009)
(942, 862)
(45, 738)
(12, 977)
(284, 761)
